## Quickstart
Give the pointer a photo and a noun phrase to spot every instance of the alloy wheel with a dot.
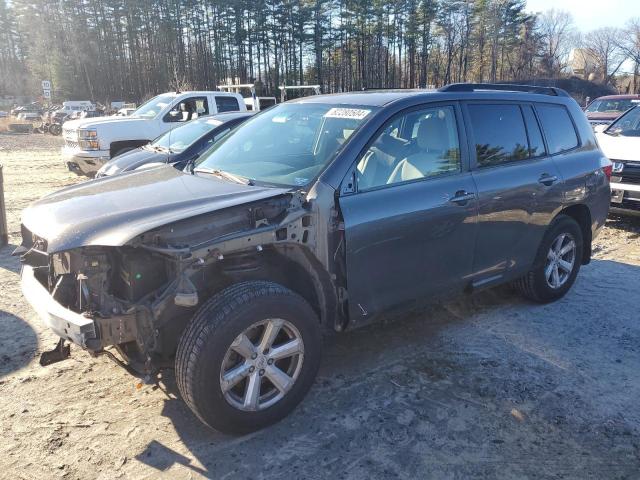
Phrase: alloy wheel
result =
(560, 262)
(262, 364)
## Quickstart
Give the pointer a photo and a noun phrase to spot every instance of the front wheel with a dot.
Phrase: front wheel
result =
(248, 357)
(557, 262)
(55, 129)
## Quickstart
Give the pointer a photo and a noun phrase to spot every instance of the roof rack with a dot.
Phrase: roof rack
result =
(504, 87)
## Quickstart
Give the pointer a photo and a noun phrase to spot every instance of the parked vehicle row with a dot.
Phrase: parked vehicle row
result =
(180, 147)
(319, 214)
(90, 143)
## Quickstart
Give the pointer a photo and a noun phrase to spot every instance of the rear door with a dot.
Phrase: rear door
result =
(519, 186)
(410, 225)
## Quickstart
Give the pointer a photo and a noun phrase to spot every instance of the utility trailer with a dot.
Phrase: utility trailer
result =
(284, 88)
(253, 103)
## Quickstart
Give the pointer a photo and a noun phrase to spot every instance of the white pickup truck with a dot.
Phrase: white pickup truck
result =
(91, 142)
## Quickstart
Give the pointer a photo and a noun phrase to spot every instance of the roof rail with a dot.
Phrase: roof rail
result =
(504, 87)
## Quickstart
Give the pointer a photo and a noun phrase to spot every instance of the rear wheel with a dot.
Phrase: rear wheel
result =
(557, 262)
(55, 129)
(248, 357)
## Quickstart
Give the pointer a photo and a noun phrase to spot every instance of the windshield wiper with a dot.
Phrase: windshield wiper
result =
(225, 175)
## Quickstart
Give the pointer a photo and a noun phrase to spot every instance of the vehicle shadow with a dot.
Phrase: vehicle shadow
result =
(7, 262)
(625, 223)
(18, 343)
(352, 355)
(488, 386)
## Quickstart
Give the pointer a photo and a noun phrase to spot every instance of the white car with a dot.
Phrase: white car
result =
(620, 141)
(91, 142)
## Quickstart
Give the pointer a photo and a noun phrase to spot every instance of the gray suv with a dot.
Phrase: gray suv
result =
(320, 214)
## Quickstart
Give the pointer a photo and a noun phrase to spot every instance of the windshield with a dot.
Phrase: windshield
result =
(289, 144)
(610, 106)
(182, 137)
(153, 107)
(628, 125)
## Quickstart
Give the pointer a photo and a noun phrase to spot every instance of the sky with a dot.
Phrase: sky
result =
(591, 14)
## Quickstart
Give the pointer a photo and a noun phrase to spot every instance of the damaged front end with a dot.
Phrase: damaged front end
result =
(82, 296)
(139, 297)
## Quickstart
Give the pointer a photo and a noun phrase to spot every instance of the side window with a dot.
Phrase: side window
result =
(188, 109)
(558, 127)
(227, 104)
(415, 145)
(536, 144)
(499, 134)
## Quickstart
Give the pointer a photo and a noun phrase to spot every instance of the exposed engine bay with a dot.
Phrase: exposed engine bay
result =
(141, 295)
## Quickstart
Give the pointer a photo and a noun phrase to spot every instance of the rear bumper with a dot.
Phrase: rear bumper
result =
(67, 324)
(625, 198)
(83, 162)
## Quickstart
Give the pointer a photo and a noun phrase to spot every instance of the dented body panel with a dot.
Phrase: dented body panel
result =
(112, 211)
(129, 259)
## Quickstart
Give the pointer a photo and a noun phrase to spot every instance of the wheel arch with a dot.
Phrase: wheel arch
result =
(291, 265)
(582, 215)
(116, 147)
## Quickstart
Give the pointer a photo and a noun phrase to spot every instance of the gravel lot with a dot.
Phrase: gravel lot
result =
(485, 387)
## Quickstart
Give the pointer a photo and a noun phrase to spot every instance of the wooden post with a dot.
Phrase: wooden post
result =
(4, 231)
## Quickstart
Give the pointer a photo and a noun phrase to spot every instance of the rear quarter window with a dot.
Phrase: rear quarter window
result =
(227, 104)
(558, 128)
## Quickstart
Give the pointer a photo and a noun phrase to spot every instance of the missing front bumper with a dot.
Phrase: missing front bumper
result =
(66, 324)
(90, 333)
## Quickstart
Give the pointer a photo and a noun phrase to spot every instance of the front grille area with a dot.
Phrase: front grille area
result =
(630, 173)
(70, 136)
(595, 123)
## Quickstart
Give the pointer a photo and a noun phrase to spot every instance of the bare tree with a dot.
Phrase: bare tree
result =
(557, 34)
(602, 46)
(629, 45)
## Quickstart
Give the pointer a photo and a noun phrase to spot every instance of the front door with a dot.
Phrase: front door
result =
(410, 225)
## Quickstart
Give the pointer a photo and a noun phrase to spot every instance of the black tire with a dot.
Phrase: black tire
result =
(208, 337)
(55, 129)
(534, 285)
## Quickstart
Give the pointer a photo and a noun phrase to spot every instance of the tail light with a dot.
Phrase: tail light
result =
(608, 170)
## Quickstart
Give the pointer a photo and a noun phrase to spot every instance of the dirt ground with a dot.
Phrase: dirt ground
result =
(485, 387)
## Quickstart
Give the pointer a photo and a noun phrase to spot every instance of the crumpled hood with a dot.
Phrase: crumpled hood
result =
(113, 210)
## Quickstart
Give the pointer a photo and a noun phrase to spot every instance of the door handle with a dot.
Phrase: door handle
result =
(461, 197)
(547, 179)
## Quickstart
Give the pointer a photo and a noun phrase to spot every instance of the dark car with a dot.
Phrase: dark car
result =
(320, 214)
(178, 146)
(604, 110)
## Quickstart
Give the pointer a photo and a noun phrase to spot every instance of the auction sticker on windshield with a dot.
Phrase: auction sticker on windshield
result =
(352, 113)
